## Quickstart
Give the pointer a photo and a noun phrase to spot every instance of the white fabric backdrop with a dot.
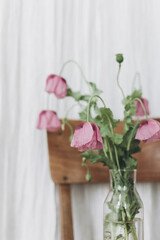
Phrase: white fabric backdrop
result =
(36, 38)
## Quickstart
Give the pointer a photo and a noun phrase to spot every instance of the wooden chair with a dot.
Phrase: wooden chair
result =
(66, 169)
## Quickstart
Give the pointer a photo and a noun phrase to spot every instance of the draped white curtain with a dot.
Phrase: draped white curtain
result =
(36, 38)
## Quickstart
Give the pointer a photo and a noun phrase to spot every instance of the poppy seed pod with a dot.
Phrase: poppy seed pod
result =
(119, 58)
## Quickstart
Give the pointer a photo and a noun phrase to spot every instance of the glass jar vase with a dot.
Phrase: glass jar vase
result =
(123, 208)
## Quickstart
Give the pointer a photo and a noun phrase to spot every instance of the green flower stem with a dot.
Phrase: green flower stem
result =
(131, 136)
(111, 127)
(119, 69)
(134, 233)
(107, 145)
(79, 67)
(117, 160)
(137, 76)
(139, 100)
(70, 126)
(90, 100)
(125, 226)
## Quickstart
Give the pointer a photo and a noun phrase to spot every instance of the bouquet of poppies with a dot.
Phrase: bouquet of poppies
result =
(96, 138)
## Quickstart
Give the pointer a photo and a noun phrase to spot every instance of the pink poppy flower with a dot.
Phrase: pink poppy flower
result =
(48, 120)
(87, 136)
(57, 85)
(149, 131)
(140, 111)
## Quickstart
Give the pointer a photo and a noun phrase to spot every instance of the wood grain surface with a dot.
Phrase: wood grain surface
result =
(66, 212)
(65, 162)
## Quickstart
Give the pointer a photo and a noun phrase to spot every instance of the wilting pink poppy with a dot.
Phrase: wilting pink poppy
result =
(149, 131)
(87, 136)
(48, 120)
(140, 111)
(57, 85)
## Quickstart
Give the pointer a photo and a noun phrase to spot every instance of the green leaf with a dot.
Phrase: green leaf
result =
(107, 117)
(83, 114)
(93, 157)
(77, 95)
(94, 88)
(97, 157)
(117, 138)
(136, 94)
(84, 98)
(130, 163)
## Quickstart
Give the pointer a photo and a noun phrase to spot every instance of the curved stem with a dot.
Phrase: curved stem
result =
(71, 109)
(79, 67)
(70, 126)
(118, 81)
(137, 74)
(139, 100)
(88, 109)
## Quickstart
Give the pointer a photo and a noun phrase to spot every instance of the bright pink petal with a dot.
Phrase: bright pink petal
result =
(148, 129)
(82, 135)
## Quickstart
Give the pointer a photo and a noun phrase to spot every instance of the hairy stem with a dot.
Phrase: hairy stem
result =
(79, 67)
(90, 100)
(119, 69)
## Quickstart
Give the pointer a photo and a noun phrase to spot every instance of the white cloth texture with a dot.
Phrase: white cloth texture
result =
(37, 37)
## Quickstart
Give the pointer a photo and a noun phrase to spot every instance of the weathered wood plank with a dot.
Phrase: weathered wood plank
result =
(66, 212)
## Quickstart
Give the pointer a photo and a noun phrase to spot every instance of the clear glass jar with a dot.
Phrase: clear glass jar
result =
(123, 208)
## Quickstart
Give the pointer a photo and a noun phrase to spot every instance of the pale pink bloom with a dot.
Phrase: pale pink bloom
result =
(57, 85)
(149, 131)
(87, 136)
(140, 111)
(48, 120)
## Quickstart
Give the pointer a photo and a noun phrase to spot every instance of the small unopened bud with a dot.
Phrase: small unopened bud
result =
(83, 161)
(119, 58)
(88, 177)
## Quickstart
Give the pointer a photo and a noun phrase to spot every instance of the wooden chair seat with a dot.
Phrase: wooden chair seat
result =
(66, 169)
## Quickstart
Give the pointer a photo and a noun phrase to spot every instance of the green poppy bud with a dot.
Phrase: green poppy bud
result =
(63, 126)
(88, 177)
(83, 161)
(119, 58)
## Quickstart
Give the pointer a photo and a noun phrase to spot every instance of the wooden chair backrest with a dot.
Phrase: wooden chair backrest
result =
(66, 169)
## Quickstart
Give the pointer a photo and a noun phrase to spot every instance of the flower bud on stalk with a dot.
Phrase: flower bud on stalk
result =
(119, 58)
(88, 177)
